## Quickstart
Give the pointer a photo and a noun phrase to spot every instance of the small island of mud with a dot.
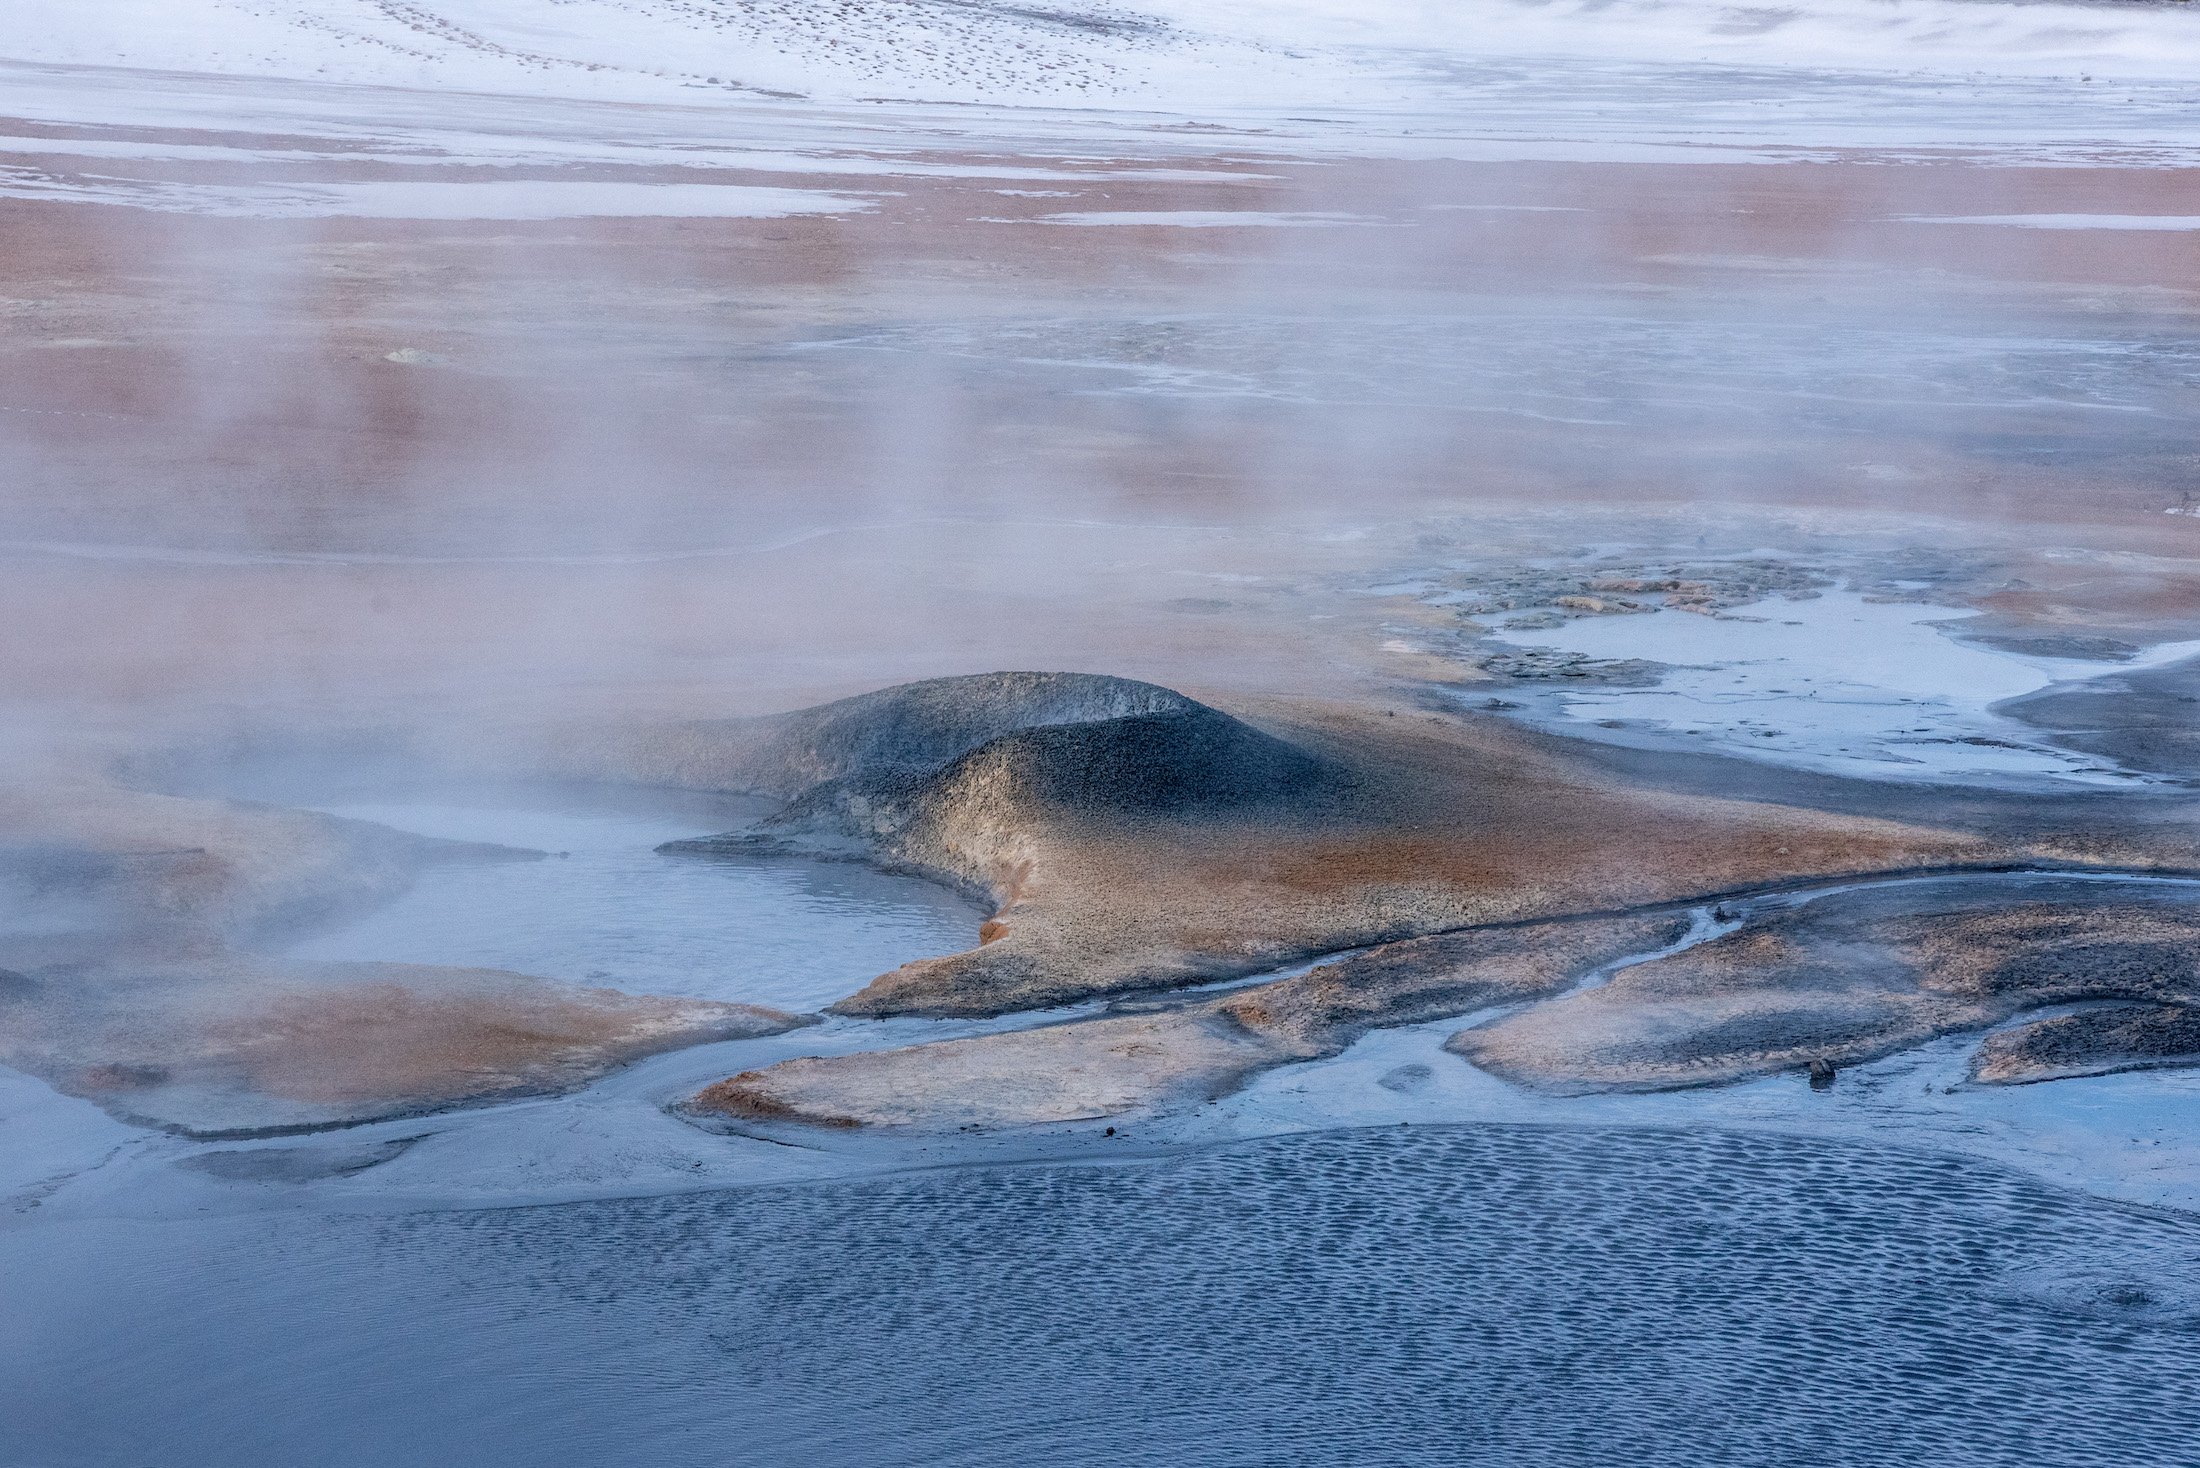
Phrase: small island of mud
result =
(1478, 865)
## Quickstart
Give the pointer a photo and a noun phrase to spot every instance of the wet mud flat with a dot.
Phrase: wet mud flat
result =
(1525, 1294)
(1803, 978)
(1930, 665)
(1136, 840)
(1531, 1294)
(408, 955)
(2147, 719)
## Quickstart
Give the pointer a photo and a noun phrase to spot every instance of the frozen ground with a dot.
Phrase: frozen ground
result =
(1165, 51)
(2125, 1136)
(510, 199)
(1388, 1254)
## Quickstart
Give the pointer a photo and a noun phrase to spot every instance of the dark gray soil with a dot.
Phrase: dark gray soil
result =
(916, 727)
(2093, 1042)
(296, 1164)
(2145, 720)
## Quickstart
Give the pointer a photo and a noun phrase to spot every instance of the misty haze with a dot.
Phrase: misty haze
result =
(1204, 734)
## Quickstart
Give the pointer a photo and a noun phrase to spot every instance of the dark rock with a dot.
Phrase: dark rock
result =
(1190, 760)
(1179, 760)
(913, 728)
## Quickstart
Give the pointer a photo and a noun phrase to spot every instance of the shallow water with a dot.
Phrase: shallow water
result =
(1579, 362)
(608, 909)
(1439, 1295)
(1837, 682)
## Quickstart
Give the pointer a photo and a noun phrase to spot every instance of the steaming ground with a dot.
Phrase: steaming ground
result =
(1788, 418)
(610, 909)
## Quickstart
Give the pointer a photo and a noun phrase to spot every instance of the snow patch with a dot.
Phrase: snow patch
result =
(2068, 221)
(1196, 218)
(509, 199)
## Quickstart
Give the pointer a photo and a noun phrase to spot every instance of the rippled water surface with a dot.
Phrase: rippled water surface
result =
(607, 908)
(1499, 1295)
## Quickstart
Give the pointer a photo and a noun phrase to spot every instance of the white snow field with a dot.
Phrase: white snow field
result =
(1166, 52)
(771, 83)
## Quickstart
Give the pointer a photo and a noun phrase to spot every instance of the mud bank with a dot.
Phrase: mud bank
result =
(1128, 839)
(2148, 719)
(1856, 975)
(1184, 1053)
(1160, 849)
(143, 965)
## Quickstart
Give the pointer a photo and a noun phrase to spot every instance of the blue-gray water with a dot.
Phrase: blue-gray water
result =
(1440, 1296)
(612, 910)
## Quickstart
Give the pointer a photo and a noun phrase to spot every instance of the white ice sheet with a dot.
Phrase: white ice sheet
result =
(1201, 218)
(501, 199)
(2068, 221)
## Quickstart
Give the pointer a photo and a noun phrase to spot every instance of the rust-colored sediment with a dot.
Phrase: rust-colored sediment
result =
(745, 1096)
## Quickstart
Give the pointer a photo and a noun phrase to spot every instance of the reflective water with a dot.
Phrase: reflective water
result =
(1441, 1295)
(1574, 362)
(608, 909)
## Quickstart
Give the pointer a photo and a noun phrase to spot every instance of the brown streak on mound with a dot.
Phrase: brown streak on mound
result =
(741, 1096)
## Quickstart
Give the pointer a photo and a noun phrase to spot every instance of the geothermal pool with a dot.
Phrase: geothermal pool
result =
(1402, 1295)
(606, 908)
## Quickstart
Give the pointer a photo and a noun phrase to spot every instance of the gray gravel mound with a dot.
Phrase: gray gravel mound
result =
(1072, 743)
(917, 727)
